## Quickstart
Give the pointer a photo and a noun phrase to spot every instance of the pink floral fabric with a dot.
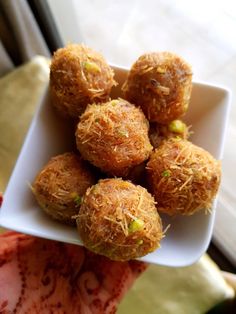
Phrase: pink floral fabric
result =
(42, 276)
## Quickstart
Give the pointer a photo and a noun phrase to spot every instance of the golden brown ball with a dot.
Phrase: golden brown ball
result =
(160, 83)
(113, 136)
(119, 220)
(183, 177)
(61, 184)
(78, 76)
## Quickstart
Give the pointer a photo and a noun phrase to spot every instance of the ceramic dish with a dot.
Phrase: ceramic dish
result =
(187, 238)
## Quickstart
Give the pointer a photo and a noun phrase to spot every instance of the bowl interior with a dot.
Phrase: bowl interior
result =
(187, 238)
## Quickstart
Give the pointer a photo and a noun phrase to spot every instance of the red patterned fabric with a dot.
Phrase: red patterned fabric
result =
(42, 276)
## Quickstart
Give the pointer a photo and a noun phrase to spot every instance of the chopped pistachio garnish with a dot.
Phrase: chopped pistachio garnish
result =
(78, 200)
(177, 126)
(140, 241)
(97, 120)
(177, 137)
(123, 133)
(161, 70)
(136, 225)
(185, 106)
(91, 67)
(114, 102)
(73, 195)
(166, 173)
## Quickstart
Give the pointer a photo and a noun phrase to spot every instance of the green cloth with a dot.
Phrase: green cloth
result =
(189, 290)
(20, 93)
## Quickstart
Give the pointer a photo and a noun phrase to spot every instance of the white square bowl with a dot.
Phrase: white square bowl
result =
(49, 135)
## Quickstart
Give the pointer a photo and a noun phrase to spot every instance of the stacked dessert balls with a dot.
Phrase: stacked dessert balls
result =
(137, 138)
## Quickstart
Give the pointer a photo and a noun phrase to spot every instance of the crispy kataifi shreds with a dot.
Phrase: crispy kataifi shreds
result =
(183, 177)
(78, 76)
(119, 220)
(61, 184)
(160, 83)
(113, 136)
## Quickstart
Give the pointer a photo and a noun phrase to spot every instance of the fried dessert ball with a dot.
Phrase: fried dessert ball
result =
(119, 220)
(160, 83)
(78, 76)
(160, 132)
(113, 136)
(183, 177)
(61, 184)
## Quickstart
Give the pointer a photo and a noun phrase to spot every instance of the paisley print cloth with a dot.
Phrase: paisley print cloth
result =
(43, 276)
